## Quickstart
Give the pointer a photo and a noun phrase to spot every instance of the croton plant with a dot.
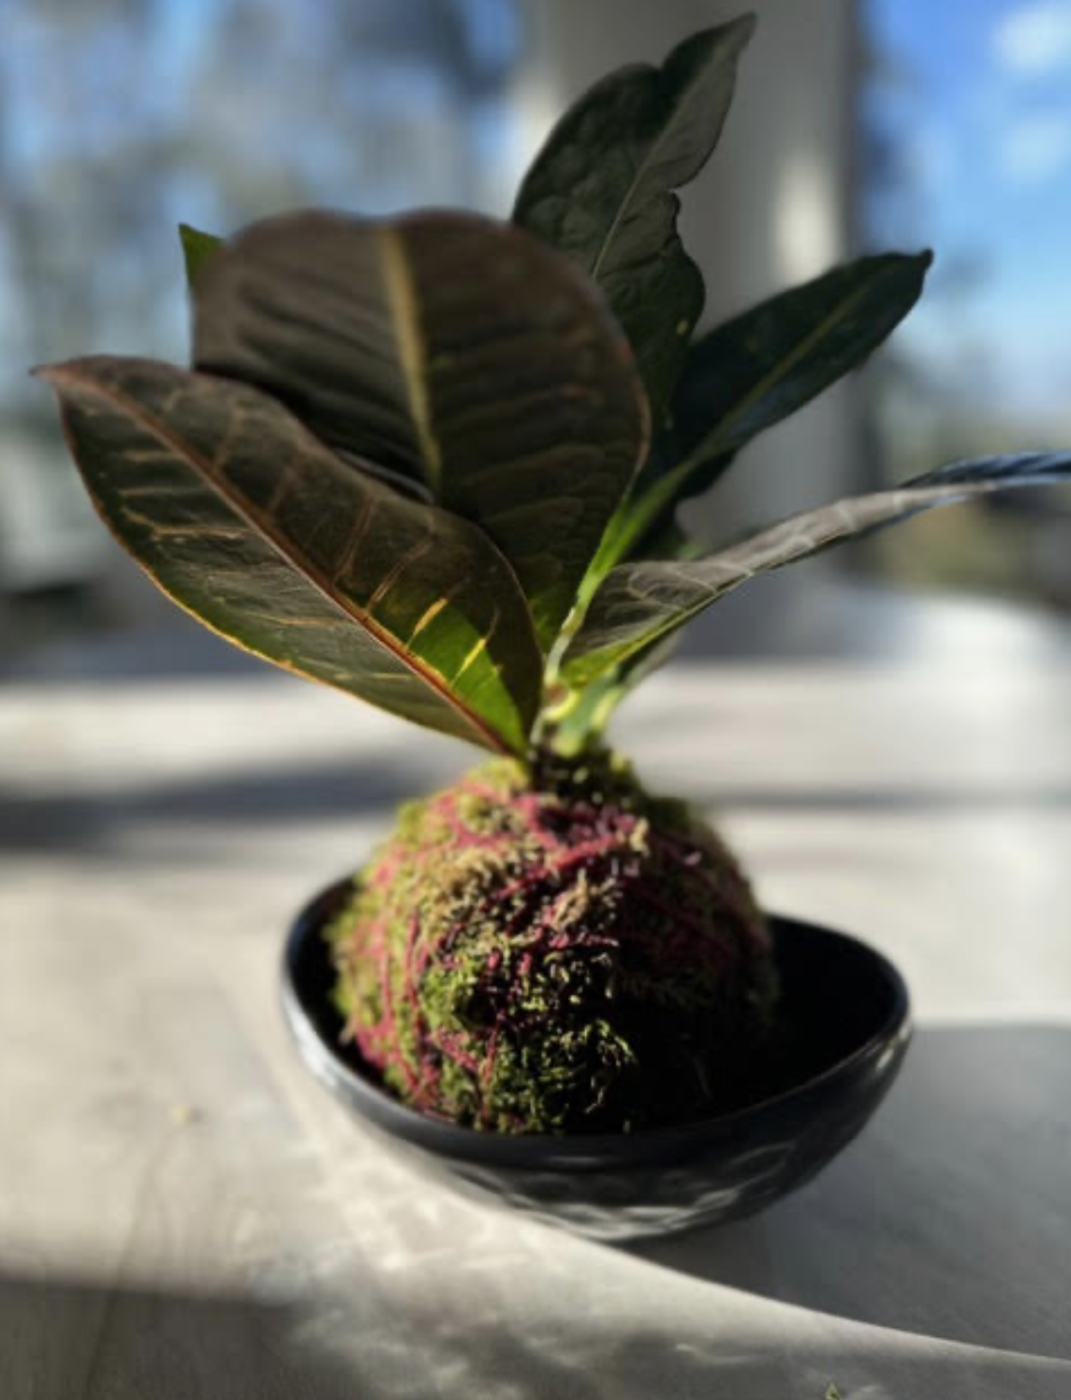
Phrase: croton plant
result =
(435, 461)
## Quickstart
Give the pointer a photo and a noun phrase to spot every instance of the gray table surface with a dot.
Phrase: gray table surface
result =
(184, 1215)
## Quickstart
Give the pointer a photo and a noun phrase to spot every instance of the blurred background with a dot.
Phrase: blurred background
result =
(870, 125)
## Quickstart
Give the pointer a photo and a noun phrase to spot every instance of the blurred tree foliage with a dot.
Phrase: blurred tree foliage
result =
(118, 118)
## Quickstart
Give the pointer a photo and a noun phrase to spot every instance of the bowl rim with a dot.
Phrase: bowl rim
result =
(329, 1064)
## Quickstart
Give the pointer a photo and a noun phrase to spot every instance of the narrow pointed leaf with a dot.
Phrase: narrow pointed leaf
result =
(250, 523)
(759, 368)
(602, 188)
(196, 247)
(640, 603)
(453, 351)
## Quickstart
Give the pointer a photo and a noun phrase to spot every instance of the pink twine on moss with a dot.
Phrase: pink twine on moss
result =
(600, 840)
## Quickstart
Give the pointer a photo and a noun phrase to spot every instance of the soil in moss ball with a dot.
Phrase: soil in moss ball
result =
(556, 951)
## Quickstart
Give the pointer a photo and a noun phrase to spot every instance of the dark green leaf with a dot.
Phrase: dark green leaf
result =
(756, 370)
(196, 247)
(254, 526)
(759, 368)
(640, 603)
(602, 190)
(455, 352)
(751, 373)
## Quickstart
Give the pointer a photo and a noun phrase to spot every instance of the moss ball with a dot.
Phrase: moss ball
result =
(557, 952)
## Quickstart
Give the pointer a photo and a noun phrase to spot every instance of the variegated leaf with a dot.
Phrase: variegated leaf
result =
(250, 523)
(450, 350)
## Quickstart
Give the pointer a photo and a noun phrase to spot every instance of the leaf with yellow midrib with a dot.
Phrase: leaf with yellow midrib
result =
(250, 523)
(459, 353)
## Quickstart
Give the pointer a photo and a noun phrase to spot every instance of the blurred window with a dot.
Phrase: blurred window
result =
(119, 118)
(967, 149)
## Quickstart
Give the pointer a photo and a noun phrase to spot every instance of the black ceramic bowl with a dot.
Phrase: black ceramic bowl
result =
(849, 1011)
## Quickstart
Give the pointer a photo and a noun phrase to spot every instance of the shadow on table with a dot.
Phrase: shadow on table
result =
(60, 1340)
(949, 1217)
(110, 821)
(918, 798)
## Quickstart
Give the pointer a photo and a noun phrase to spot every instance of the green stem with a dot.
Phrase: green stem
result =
(633, 518)
(629, 523)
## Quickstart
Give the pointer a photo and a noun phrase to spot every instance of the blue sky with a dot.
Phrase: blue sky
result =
(981, 97)
(980, 100)
(118, 120)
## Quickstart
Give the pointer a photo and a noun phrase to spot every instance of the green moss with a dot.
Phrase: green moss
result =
(555, 951)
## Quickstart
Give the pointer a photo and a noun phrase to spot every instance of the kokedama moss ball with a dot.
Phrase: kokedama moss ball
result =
(557, 953)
